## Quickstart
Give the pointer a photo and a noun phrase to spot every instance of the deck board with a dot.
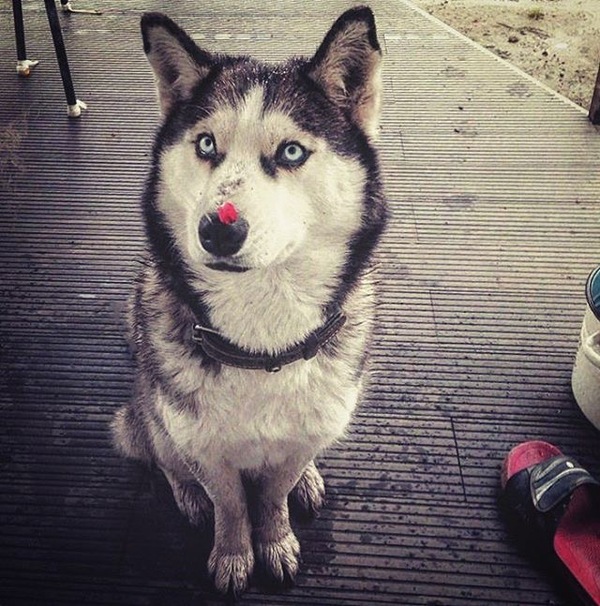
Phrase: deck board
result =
(493, 183)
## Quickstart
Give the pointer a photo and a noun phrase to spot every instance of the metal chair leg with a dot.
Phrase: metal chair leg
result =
(24, 66)
(74, 106)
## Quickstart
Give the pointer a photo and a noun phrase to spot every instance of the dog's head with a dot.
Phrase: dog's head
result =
(258, 164)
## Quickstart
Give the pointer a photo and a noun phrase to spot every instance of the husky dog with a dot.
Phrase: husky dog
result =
(252, 315)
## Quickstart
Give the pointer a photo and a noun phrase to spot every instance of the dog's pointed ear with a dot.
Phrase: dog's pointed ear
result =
(179, 64)
(347, 66)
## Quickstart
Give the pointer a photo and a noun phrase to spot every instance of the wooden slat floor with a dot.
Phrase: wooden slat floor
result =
(494, 187)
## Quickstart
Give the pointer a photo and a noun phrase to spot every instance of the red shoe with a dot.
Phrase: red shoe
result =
(553, 505)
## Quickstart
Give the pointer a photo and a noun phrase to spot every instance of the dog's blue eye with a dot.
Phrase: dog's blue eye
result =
(291, 154)
(206, 146)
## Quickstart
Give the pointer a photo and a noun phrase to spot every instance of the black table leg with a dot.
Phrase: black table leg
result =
(19, 30)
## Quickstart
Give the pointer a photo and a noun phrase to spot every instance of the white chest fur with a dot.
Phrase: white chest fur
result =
(253, 418)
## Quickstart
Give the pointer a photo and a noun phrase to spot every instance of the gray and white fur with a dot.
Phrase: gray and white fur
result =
(290, 147)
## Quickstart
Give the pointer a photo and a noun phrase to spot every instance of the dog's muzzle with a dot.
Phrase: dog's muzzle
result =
(223, 233)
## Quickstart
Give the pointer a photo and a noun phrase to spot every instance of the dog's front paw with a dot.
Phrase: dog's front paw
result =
(231, 571)
(280, 558)
(309, 492)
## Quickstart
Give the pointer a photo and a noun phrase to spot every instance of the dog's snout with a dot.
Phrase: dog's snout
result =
(222, 238)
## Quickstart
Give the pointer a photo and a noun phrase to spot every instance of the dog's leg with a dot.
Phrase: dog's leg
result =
(276, 546)
(309, 492)
(232, 559)
(191, 499)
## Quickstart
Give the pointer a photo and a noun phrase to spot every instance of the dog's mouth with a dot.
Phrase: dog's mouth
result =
(223, 266)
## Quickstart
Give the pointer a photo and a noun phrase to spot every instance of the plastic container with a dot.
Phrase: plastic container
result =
(585, 379)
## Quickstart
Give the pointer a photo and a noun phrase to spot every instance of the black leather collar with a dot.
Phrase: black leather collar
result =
(222, 350)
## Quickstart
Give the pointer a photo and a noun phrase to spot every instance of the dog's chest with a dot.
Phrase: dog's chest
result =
(254, 418)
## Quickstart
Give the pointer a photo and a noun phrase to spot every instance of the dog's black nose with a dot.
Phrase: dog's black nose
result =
(219, 238)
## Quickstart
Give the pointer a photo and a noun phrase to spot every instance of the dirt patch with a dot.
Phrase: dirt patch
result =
(11, 163)
(556, 41)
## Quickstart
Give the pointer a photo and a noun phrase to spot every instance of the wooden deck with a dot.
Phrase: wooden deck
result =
(494, 186)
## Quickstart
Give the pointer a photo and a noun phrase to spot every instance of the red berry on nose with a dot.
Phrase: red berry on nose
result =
(227, 213)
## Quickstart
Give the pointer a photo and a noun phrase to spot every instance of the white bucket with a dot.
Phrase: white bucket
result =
(585, 379)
